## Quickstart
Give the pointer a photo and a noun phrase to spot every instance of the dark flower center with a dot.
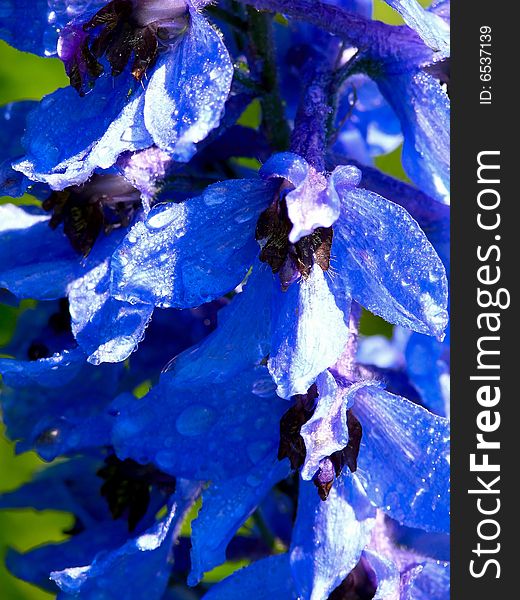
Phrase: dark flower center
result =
(120, 31)
(286, 259)
(127, 486)
(106, 202)
(292, 444)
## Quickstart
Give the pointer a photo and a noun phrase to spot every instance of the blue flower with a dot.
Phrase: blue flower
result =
(188, 72)
(156, 264)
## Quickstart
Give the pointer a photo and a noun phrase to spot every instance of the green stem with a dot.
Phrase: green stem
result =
(264, 67)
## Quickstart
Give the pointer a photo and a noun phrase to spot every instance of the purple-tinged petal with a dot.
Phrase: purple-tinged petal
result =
(309, 333)
(310, 205)
(105, 123)
(429, 581)
(327, 541)
(403, 461)
(207, 432)
(225, 507)
(387, 576)
(285, 165)
(434, 31)
(407, 288)
(326, 431)
(186, 254)
(186, 93)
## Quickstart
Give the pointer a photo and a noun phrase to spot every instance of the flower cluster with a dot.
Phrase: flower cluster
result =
(198, 282)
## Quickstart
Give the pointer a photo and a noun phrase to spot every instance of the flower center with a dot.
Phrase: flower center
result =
(121, 31)
(289, 260)
(106, 202)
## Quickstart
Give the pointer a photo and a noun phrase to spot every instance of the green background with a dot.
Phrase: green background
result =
(26, 77)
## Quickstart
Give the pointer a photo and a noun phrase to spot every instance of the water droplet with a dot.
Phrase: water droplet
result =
(263, 387)
(256, 451)
(161, 216)
(195, 420)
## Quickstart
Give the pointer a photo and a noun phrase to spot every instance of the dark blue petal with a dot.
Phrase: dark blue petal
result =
(309, 334)
(35, 262)
(225, 507)
(433, 30)
(266, 579)
(69, 136)
(25, 24)
(241, 340)
(327, 541)
(140, 567)
(12, 127)
(405, 288)
(56, 404)
(202, 432)
(404, 459)
(186, 93)
(186, 254)
(36, 565)
(70, 486)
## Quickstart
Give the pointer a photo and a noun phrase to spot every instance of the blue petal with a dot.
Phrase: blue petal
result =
(405, 288)
(424, 111)
(225, 507)
(242, 338)
(12, 120)
(105, 123)
(403, 461)
(266, 579)
(186, 254)
(387, 576)
(36, 565)
(108, 330)
(434, 31)
(372, 127)
(431, 582)
(429, 372)
(35, 262)
(56, 404)
(196, 431)
(143, 561)
(25, 25)
(327, 540)
(285, 165)
(70, 486)
(432, 216)
(326, 431)
(186, 93)
(309, 334)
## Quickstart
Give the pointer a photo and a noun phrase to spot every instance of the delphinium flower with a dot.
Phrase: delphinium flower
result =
(335, 463)
(157, 73)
